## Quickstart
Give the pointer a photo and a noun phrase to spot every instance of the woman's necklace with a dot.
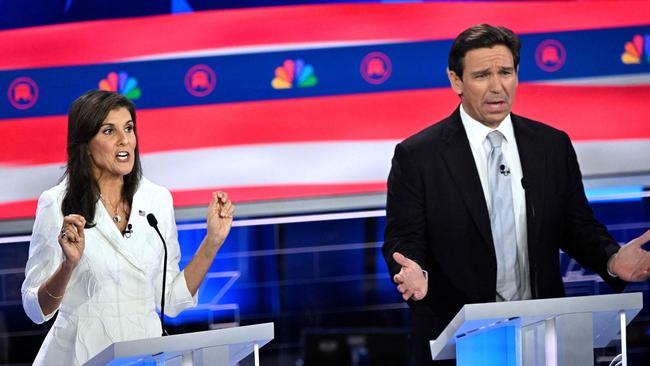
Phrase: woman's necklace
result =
(116, 218)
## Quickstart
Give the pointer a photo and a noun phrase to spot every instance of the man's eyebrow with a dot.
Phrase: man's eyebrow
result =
(480, 72)
(487, 70)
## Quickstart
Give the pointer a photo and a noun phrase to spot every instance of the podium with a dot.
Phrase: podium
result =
(552, 332)
(214, 347)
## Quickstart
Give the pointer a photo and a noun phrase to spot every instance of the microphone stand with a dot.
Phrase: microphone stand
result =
(154, 224)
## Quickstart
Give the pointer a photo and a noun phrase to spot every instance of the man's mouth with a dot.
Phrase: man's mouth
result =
(496, 106)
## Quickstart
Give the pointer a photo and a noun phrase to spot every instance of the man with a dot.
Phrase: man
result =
(480, 204)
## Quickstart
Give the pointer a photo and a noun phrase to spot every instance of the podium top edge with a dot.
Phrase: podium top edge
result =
(263, 332)
(568, 305)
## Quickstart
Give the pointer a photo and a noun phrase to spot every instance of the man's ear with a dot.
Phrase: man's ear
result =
(455, 81)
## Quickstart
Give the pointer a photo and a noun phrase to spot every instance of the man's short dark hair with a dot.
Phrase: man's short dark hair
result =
(481, 36)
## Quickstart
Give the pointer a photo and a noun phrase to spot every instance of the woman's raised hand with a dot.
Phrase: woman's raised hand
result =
(220, 213)
(71, 239)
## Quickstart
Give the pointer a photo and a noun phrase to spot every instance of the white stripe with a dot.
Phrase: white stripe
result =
(622, 80)
(241, 50)
(292, 219)
(15, 239)
(234, 166)
(297, 163)
(601, 157)
(25, 183)
(272, 164)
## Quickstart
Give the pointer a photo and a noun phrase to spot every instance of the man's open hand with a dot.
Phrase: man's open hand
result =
(410, 280)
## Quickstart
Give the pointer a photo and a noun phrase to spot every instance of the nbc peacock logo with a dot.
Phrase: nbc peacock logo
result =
(121, 83)
(633, 50)
(294, 73)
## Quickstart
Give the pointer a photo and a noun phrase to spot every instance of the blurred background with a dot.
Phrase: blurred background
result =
(294, 108)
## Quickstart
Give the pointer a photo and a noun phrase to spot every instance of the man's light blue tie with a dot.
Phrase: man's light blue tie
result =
(502, 221)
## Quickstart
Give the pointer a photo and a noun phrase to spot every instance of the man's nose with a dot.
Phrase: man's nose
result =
(494, 84)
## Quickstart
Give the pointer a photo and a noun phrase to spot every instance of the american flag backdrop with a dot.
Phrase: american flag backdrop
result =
(300, 101)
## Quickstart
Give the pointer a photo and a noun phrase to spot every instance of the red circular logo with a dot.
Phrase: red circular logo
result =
(376, 68)
(200, 80)
(550, 55)
(23, 93)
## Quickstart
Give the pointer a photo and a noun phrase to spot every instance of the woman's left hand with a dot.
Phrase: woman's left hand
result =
(220, 213)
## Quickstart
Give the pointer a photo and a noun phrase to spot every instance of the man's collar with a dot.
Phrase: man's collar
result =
(477, 132)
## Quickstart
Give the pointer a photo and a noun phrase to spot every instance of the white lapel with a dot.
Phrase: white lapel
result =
(110, 232)
(143, 236)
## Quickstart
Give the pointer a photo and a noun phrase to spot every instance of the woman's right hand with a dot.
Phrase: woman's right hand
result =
(71, 239)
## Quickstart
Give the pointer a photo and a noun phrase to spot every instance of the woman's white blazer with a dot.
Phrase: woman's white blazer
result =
(115, 290)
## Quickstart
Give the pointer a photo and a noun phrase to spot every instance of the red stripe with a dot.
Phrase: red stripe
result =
(350, 117)
(588, 113)
(112, 40)
(18, 210)
(376, 116)
(585, 112)
(37, 140)
(27, 209)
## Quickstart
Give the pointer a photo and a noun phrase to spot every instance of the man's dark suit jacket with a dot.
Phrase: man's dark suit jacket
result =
(437, 216)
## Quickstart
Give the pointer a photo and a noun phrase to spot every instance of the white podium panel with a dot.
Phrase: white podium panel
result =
(214, 347)
(560, 331)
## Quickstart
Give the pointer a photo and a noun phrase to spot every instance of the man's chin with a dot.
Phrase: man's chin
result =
(495, 118)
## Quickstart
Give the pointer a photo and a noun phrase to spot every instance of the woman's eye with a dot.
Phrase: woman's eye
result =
(108, 131)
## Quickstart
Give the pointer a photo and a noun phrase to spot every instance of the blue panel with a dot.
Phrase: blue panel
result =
(323, 233)
(181, 6)
(622, 218)
(497, 347)
(608, 194)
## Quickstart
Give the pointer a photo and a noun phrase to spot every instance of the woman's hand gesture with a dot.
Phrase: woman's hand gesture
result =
(220, 213)
(71, 239)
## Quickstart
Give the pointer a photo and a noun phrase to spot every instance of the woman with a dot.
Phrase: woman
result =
(93, 257)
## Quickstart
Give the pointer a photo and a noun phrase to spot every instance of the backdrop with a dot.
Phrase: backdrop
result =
(299, 101)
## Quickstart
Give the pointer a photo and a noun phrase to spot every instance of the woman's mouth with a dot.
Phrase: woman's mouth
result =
(123, 155)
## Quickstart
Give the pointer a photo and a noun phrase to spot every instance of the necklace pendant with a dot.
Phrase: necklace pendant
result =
(117, 219)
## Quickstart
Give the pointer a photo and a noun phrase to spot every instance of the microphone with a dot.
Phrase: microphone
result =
(505, 171)
(129, 230)
(151, 219)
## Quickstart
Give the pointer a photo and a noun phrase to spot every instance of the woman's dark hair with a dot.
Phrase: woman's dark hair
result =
(481, 36)
(85, 117)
